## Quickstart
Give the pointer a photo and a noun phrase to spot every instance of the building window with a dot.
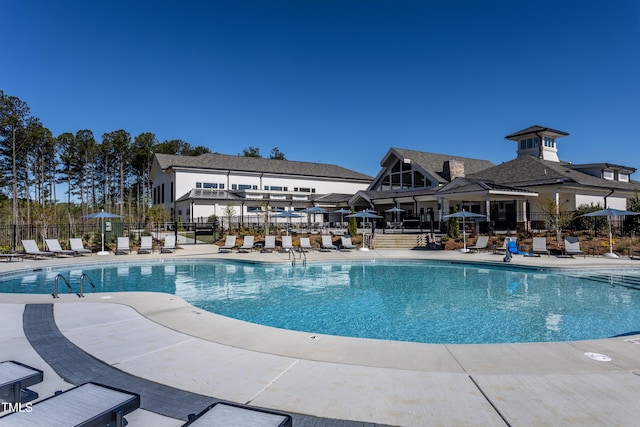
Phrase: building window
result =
(607, 174)
(162, 194)
(209, 185)
(171, 193)
(523, 144)
(536, 142)
(624, 177)
(198, 185)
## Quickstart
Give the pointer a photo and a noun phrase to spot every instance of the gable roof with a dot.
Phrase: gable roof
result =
(529, 170)
(225, 162)
(433, 163)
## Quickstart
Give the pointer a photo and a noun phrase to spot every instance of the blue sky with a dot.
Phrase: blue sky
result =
(334, 81)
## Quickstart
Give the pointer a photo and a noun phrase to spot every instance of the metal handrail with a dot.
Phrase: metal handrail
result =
(85, 275)
(55, 285)
(292, 252)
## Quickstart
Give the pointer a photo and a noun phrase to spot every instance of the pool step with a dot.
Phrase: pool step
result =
(623, 280)
(399, 241)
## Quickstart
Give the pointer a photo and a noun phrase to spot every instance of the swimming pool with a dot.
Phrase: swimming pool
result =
(431, 302)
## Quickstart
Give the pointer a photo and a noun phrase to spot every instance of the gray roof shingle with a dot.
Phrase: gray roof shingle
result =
(255, 164)
(434, 163)
(528, 170)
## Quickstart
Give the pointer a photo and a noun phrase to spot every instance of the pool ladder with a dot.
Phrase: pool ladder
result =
(66, 282)
(292, 256)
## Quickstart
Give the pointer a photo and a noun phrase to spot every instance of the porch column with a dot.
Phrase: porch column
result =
(521, 215)
(487, 208)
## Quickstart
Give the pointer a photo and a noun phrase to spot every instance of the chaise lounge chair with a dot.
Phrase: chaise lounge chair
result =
(89, 404)
(287, 243)
(31, 248)
(123, 246)
(54, 246)
(269, 244)
(78, 247)
(169, 244)
(247, 244)
(540, 246)
(231, 414)
(305, 244)
(146, 245)
(572, 246)
(346, 243)
(229, 244)
(14, 380)
(480, 244)
(327, 243)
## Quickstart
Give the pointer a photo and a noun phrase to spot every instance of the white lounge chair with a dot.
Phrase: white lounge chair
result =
(247, 244)
(123, 246)
(540, 246)
(169, 244)
(232, 414)
(54, 246)
(305, 244)
(287, 243)
(146, 245)
(14, 380)
(229, 244)
(346, 243)
(31, 248)
(269, 243)
(78, 247)
(572, 246)
(327, 243)
(88, 404)
(480, 244)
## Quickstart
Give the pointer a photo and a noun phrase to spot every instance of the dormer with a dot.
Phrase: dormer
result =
(538, 141)
(606, 171)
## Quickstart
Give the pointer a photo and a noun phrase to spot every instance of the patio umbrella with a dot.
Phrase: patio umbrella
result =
(395, 211)
(313, 210)
(364, 214)
(289, 215)
(342, 211)
(102, 215)
(609, 213)
(464, 215)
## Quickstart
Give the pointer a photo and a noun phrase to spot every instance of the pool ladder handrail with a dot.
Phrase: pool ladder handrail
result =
(93, 287)
(55, 285)
(292, 252)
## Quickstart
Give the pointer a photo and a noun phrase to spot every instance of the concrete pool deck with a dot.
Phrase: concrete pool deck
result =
(342, 381)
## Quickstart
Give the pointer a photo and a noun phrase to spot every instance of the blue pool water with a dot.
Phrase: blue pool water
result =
(404, 300)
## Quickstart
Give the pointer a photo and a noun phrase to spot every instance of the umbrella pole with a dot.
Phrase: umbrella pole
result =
(102, 252)
(610, 254)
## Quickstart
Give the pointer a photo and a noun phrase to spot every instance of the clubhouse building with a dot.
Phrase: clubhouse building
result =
(424, 186)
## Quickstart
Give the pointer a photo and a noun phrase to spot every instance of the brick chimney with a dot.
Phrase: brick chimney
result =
(452, 169)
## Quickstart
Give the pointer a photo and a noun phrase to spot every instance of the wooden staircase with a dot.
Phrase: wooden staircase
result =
(400, 241)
